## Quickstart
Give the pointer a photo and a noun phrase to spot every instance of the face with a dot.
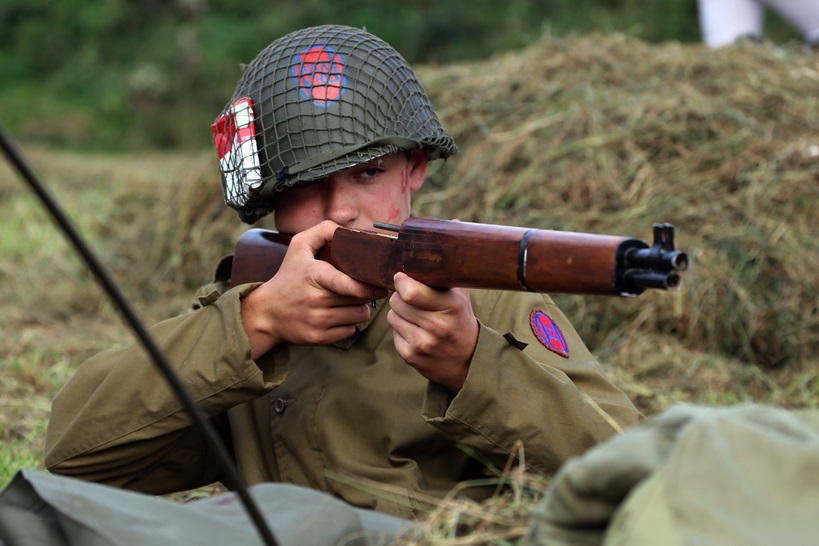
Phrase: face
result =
(376, 191)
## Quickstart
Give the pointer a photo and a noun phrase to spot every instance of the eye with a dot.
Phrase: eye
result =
(370, 173)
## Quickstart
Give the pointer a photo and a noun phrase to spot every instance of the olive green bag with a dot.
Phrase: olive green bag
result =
(745, 475)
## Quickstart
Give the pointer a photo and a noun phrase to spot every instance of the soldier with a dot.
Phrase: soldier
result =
(317, 379)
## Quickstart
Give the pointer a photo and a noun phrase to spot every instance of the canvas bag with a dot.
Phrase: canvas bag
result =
(694, 475)
(41, 509)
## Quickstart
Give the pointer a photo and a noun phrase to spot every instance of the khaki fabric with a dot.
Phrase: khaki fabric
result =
(333, 418)
(694, 475)
(39, 509)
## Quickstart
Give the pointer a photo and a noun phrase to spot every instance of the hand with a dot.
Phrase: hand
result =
(434, 331)
(308, 301)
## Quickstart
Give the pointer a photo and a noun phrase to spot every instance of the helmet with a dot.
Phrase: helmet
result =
(317, 101)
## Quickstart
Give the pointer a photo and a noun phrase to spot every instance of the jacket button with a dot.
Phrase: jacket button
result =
(279, 405)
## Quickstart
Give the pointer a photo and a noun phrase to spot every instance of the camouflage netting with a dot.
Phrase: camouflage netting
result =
(609, 134)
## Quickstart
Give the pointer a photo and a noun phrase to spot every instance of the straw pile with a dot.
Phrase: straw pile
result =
(608, 134)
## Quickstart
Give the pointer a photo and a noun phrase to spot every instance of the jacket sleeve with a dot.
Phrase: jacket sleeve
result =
(116, 420)
(552, 395)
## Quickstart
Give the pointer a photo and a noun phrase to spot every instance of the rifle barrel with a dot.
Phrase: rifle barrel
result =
(657, 258)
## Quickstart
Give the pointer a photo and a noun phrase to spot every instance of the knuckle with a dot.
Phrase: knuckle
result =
(313, 299)
(436, 325)
(313, 337)
(410, 293)
(423, 345)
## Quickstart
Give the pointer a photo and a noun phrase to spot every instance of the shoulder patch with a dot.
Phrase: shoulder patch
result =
(548, 333)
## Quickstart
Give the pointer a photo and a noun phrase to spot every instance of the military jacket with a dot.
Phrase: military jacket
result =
(352, 419)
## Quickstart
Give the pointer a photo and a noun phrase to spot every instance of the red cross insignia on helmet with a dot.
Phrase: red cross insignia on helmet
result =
(548, 333)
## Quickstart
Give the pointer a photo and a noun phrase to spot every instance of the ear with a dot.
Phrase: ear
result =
(417, 168)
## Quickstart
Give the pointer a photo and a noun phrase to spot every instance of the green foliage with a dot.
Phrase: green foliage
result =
(17, 454)
(30, 379)
(114, 74)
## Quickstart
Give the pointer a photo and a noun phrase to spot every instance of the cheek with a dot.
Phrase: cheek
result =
(293, 214)
(398, 208)
(395, 216)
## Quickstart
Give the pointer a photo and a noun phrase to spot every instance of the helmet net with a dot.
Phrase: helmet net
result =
(319, 100)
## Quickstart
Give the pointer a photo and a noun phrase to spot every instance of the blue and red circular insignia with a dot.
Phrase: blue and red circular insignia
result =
(318, 72)
(548, 333)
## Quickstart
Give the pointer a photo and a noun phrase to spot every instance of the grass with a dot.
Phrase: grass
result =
(31, 377)
(568, 134)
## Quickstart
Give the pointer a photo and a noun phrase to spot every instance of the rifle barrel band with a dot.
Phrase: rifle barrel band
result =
(522, 252)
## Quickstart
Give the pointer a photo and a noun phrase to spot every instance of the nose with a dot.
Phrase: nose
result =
(340, 202)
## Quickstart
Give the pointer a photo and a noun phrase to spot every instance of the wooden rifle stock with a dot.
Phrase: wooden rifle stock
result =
(445, 253)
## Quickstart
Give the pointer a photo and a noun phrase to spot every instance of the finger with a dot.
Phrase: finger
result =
(418, 350)
(417, 294)
(316, 237)
(304, 247)
(325, 315)
(411, 342)
(333, 325)
(349, 290)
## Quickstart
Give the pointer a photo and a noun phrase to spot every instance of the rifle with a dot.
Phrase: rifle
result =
(447, 253)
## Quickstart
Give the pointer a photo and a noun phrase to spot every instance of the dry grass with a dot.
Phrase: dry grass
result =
(608, 134)
(458, 520)
(501, 519)
(596, 133)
